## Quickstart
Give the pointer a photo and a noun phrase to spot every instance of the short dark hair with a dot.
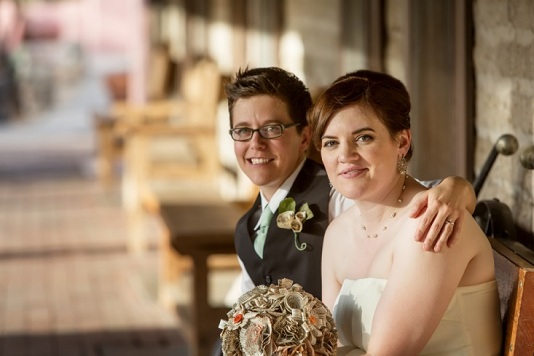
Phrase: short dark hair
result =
(385, 95)
(275, 82)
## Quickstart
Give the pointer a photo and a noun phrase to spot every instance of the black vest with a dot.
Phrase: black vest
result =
(281, 259)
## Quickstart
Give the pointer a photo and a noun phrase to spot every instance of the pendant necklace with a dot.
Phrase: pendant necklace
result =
(393, 214)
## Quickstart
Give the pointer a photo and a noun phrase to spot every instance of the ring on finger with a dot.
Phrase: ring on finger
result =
(449, 222)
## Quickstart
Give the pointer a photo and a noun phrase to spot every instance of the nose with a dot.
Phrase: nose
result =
(256, 140)
(347, 153)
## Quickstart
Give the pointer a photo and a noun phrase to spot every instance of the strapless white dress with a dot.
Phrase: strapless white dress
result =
(471, 325)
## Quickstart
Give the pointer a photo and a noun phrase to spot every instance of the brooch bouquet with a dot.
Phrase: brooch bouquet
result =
(289, 218)
(279, 320)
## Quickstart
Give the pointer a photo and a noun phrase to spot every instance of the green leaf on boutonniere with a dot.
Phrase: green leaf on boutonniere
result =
(288, 204)
(305, 208)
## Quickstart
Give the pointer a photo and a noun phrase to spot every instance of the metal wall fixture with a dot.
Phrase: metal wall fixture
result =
(505, 145)
(527, 158)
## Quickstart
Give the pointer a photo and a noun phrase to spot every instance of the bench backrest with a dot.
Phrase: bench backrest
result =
(515, 279)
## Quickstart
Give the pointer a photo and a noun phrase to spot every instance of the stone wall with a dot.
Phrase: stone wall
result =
(504, 70)
(504, 94)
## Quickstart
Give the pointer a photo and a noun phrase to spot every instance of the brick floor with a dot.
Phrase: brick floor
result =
(67, 285)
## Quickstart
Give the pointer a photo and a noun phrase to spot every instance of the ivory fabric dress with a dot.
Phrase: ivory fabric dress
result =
(470, 326)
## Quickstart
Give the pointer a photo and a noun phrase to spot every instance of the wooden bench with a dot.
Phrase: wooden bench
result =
(514, 269)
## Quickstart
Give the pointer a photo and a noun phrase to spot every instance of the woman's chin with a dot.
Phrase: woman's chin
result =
(354, 194)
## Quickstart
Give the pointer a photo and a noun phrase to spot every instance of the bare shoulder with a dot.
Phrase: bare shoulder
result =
(473, 234)
(340, 233)
(344, 218)
(471, 243)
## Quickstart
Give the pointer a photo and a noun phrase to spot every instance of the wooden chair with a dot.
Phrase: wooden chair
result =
(170, 148)
(514, 271)
(110, 148)
(109, 125)
(515, 279)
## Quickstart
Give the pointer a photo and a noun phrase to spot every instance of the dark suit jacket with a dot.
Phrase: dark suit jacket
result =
(281, 259)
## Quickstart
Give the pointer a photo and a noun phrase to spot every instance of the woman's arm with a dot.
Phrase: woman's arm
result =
(440, 206)
(419, 289)
(330, 284)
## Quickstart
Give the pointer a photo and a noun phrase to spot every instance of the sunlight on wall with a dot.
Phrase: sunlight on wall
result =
(292, 53)
(173, 24)
(220, 45)
(261, 49)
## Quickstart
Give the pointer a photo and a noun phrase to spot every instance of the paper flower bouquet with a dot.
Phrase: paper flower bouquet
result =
(279, 320)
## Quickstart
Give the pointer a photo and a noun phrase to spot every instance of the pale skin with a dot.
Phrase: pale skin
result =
(360, 157)
(268, 163)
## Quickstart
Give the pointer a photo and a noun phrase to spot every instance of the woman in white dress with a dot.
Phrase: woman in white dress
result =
(388, 295)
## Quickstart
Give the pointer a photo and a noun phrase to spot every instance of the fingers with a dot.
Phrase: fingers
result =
(422, 229)
(440, 223)
(458, 223)
(437, 229)
(438, 232)
(419, 206)
(424, 232)
(448, 232)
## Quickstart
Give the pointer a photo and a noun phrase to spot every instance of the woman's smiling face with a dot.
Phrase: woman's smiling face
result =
(359, 154)
(268, 162)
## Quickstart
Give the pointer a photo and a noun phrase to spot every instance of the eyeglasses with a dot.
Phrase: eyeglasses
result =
(268, 131)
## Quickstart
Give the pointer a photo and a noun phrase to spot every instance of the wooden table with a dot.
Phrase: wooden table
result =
(200, 230)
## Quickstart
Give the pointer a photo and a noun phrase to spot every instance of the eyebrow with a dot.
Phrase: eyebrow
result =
(355, 132)
(270, 122)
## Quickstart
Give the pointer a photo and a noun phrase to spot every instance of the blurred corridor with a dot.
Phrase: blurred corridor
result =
(67, 284)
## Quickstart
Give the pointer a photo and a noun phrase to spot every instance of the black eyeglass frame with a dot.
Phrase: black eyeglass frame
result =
(258, 130)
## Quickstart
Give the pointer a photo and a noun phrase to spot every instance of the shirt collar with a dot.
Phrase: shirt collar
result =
(282, 191)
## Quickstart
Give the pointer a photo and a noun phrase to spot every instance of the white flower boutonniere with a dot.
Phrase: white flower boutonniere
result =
(289, 218)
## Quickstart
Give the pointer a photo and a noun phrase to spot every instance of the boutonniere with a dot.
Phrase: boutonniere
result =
(289, 218)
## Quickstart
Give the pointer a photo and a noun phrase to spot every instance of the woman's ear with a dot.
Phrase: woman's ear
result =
(405, 140)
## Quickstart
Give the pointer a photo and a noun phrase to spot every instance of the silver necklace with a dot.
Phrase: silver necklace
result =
(393, 214)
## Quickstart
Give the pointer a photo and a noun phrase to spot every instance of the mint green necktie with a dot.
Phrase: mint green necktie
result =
(265, 220)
